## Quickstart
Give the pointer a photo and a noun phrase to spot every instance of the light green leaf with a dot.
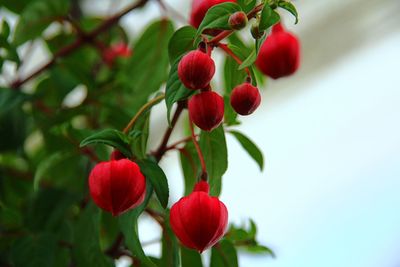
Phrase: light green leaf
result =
(289, 7)
(224, 254)
(250, 148)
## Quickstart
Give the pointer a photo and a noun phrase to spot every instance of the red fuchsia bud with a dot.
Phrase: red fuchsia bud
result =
(200, 8)
(114, 51)
(245, 98)
(117, 185)
(117, 155)
(196, 69)
(238, 20)
(279, 55)
(199, 220)
(206, 110)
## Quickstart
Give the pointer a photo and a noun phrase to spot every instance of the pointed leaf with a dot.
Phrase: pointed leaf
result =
(250, 148)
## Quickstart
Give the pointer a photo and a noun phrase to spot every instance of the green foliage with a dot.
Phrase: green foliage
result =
(289, 7)
(224, 254)
(181, 42)
(250, 148)
(190, 166)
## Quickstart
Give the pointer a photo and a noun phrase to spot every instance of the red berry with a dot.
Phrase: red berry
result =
(117, 185)
(200, 8)
(238, 20)
(114, 51)
(245, 98)
(206, 110)
(196, 69)
(279, 55)
(199, 220)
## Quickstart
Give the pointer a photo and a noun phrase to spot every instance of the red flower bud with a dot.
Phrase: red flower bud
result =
(200, 8)
(116, 155)
(238, 20)
(245, 98)
(199, 220)
(117, 185)
(279, 55)
(196, 69)
(206, 110)
(114, 51)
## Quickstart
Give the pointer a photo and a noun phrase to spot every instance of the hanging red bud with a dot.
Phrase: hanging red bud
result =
(114, 51)
(196, 69)
(200, 8)
(238, 20)
(199, 220)
(245, 98)
(279, 55)
(117, 185)
(206, 110)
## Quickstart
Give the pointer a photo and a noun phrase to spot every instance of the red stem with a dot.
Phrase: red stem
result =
(228, 51)
(199, 153)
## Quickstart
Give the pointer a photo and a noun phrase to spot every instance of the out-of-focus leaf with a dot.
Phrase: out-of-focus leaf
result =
(36, 17)
(213, 146)
(269, 17)
(86, 249)
(250, 148)
(34, 251)
(224, 255)
(112, 138)
(170, 247)
(289, 7)
(175, 90)
(217, 17)
(139, 135)
(190, 166)
(156, 176)
(181, 42)
(15, 6)
(190, 258)
(247, 5)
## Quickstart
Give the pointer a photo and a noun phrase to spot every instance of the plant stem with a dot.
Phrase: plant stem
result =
(228, 51)
(162, 148)
(203, 175)
(80, 41)
(152, 102)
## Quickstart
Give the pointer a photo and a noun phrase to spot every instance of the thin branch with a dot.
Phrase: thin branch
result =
(199, 153)
(228, 51)
(80, 41)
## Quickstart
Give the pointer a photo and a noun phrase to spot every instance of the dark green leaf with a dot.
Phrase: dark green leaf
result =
(112, 138)
(140, 135)
(213, 146)
(190, 258)
(224, 255)
(156, 176)
(217, 17)
(232, 75)
(247, 5)
(36, 17)
(10, 98)
(250, 148)
(170, 247)
(289, 7)
(5, 29)
(190, 166)
(268, 18)
(260, 249)
(15, 6)
(249, 60)
(128, 226)
(175, 90)
(181, 42)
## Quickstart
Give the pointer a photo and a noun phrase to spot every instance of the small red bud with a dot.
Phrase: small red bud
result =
(199, 220)
(206, 110)
(117, 155)
(117, 185)
(196, 69)
(238, 20)
(200, 8)
(279, 55)
(114, 51)
(245, 98)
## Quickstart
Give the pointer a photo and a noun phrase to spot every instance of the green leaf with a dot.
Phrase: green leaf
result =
(36, 17)
(86, 248)
(157, 177)
(15, 6)
(181, 42)
(213, 146)
(170, 247)
(217, 17)
(241, 51)
(5, 29)
(247, 5)
(190, 257)
(249, 60)
(10, 99)
(175, 90)
(260, 249)
(289, 7)
(250, 148)
(34, 251)
(232, 75)
(128, 226)
(190, 166)
(147, 69)
(140, 134)
(268, 18)
(112, 138)
(224, 255)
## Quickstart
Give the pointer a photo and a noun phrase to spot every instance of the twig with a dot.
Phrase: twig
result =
(228, 51)
(199, 153)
